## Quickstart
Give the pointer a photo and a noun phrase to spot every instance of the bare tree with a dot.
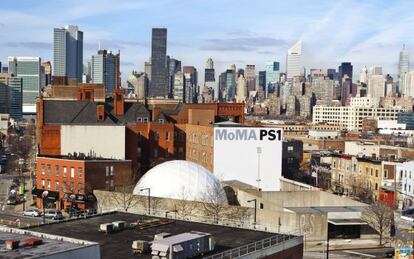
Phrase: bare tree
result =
(214, 202)
(361, 191)
(184, 206)
(380, 217)
(124, 198)
(239, 214)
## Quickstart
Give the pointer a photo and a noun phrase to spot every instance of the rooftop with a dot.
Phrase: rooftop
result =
(118, 245)
(51, 244)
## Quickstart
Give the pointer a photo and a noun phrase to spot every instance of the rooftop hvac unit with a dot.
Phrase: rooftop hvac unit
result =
(183, 245)
(140, 246)
(161, 236)
(106, 227)
(119, 225)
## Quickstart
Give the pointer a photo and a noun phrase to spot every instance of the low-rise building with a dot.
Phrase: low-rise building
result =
(70, 180)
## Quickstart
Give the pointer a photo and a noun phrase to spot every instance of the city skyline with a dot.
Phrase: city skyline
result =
(361, 34)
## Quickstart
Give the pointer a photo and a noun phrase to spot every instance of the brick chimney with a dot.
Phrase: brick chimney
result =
(155, 111)
(100, 112)
(118, 96)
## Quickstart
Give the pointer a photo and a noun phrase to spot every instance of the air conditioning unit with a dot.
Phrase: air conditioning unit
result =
(106, 227)
(119, 225)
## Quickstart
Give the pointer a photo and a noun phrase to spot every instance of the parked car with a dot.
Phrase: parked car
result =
(54, 214)
(32, 212)
(389, 253)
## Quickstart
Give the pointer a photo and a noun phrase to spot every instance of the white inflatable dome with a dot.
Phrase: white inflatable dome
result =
(181, 179)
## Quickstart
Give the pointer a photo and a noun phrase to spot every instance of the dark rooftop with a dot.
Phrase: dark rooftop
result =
(118, 244)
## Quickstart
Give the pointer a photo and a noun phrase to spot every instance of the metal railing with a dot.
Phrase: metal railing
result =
(253, 247)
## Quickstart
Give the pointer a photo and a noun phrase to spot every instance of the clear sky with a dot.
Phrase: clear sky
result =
(230, 31)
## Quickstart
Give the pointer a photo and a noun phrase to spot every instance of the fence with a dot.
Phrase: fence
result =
(253, 247)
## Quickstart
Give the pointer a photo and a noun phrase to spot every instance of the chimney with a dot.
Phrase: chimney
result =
(118, 96)
(100, 112)
(155, 112)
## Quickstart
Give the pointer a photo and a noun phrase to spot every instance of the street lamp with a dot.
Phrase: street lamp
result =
(259, 151)
(23, 189)
(149, 198)
(44, 195)
(255, 210)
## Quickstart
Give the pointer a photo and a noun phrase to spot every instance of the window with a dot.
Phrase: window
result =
(167, 136)
(57, 186)
(49, 170)
(161, 120)
(64, 187)
(139, 120)
(43, 169)
(376, 186)
(112, 183)
(80, 172)
(376, 173)
(156, 135)
(290, 148)
(145, 120)
(64, 171)
(72, 186)
(139, 151)
(43, 184)
(48, 185)
(56, 170)
(72, 172)
(107, 170)
(112, 170)
(385, 173)
(80, 188)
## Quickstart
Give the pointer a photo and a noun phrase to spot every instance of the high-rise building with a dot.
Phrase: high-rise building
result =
(137, 83)
(345, 69)
(179, 86)
(250, 76)
(174, 65)
(272, 76)
(28, 69)
(323, 90)
(294, 62)
(68, 52)
(291, 105)
(363, 76)
(404, 61)
(210, 78)
(376, 82)
(15, 97)
(261, 80)
(407, 84)
(159, 69)
(190, 84)
(104, 69)
(332, 74)
(241, 89)
(5, 70)
(230, 84)
(210, 63)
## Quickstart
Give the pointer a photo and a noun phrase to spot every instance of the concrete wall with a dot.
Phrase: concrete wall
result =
(103, 141)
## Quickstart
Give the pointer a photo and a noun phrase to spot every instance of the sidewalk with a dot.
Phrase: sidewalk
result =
(341, 244)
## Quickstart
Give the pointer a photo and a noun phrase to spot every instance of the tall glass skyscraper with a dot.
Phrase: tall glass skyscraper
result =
(272, 76)
(68, 52)
(28, 69)
(230, 85)
(159, 70)
(104, 69)
(15, 97)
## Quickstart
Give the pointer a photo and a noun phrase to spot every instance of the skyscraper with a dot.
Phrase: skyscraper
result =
(68, 52)
(15, 97)
(294, 62)
(48, 72)
(363, 76)
(376, 82)
(230, 84)
(174, 66)
(28, 69)
(159, 71)
(262, 79)
(404, 61)
(345, 69)
(250, 76)
(210, 78)
(190, 84)
(241, 89)
(104, 69)
(272, 76)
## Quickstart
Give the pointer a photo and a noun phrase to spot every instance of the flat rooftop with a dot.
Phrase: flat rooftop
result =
(118, 244)
(50, 244)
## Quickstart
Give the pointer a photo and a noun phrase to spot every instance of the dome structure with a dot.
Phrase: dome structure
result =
(181, 179)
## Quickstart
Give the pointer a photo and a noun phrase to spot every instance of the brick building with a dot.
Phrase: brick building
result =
(72, 179)
(154, 130)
